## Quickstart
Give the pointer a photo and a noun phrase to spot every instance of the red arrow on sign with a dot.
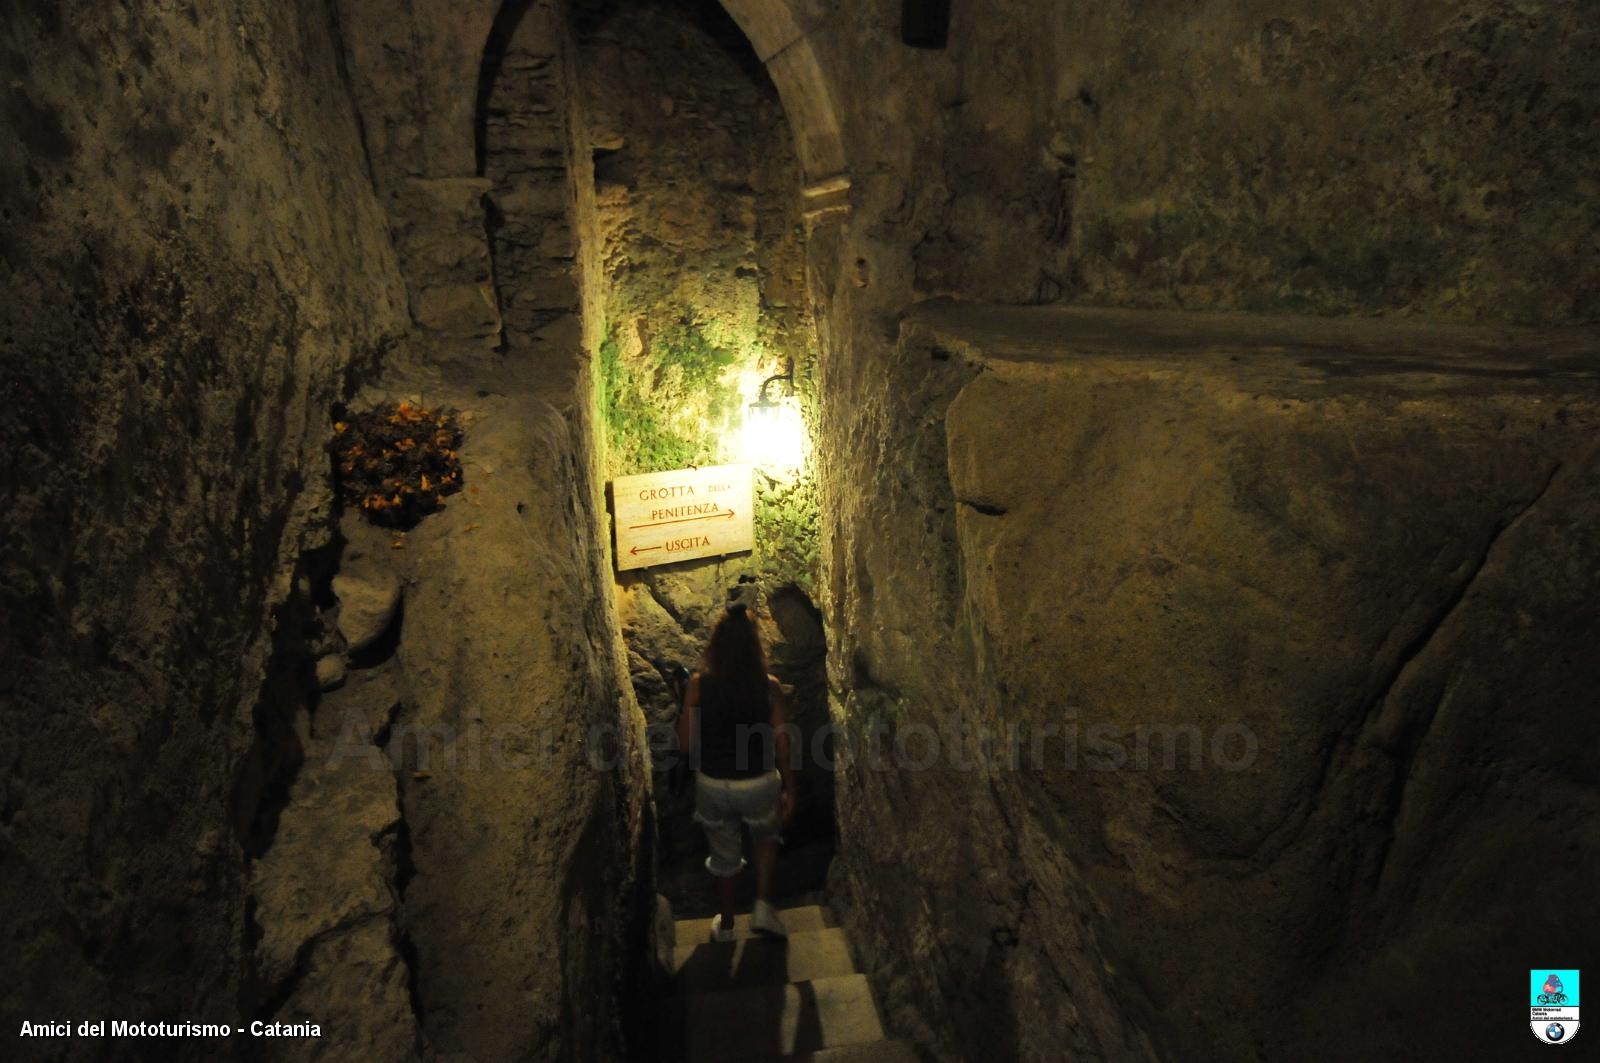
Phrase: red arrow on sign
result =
(726, 514)
(635, 551)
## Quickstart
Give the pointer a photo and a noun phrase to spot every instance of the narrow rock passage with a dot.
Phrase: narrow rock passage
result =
(759, 998)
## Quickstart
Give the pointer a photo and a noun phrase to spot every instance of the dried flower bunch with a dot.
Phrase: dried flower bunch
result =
(397, 461)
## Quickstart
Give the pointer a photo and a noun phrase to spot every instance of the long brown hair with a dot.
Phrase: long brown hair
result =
(734, 655)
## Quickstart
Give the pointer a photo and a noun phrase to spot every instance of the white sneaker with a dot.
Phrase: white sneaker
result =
(719, 933)
(764, 920)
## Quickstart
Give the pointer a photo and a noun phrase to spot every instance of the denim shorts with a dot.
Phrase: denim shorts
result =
(721, 805)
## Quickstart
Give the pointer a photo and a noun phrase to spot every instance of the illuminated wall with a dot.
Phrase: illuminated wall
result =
(701, 286)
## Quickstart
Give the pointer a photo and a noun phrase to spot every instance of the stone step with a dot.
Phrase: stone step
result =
(869, 1052)
(797, 920)
(706, 966)
(772, 1022)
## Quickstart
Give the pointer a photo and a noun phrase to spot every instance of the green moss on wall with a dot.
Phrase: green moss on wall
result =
(699, 363)
(676, 402)
(657, 407)
(787, 529)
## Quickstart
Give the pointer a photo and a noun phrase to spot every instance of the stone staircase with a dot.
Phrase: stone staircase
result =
(764, 1000)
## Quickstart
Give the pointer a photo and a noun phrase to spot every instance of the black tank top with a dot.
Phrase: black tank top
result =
(735, 729)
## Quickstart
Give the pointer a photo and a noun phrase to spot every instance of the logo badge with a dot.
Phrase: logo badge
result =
(1553, 1004)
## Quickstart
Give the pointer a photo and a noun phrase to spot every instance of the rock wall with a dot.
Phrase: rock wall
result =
(1258, 555)
(1156, 156)
(1292, 158)
(192, 260)
(216, 815)
(517, 755)
(1269, 680)
(514, 844)
(462, 865)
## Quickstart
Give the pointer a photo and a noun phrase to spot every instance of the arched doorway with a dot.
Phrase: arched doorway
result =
(699, 264)
(642, 178)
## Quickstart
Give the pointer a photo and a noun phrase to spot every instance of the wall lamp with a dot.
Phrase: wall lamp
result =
(787, 377)
(774, 430)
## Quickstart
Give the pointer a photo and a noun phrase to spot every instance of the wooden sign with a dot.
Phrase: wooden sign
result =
(662, 517)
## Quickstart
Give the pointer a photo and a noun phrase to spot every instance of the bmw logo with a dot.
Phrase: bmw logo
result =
(1555, 1031)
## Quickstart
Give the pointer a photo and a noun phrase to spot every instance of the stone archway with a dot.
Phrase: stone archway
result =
(417, 77)
(542, 250)
(781, 36)
(782, 40)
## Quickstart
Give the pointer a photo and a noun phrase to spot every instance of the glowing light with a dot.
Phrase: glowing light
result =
(774, 436)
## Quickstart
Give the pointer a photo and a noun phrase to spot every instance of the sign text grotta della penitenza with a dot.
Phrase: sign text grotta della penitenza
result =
(662, 517)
